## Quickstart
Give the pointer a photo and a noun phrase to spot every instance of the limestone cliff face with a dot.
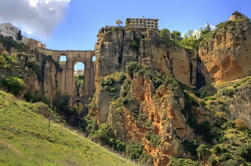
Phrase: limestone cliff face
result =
(118, 45)
(228, 55)
(162, 109)
(50, 78)
(234, 99)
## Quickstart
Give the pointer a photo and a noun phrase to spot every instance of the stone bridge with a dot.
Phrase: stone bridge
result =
(66, 79)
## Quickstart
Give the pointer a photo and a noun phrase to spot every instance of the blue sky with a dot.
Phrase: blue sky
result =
(84, 18)
(74, 24)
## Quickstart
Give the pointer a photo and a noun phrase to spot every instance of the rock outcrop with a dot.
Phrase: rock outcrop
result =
(116, 46)
(227, 56)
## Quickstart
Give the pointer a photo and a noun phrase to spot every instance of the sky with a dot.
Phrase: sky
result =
(74, 24)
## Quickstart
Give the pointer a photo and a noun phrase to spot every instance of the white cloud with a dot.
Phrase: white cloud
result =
(212, 27)
(36, 17)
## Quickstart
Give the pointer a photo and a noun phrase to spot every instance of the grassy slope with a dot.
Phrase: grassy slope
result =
(25, 140)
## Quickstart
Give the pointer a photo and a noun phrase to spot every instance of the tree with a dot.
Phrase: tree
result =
(13, 84)
(19, 35)
(165, 35)
(119, 22)
(208, 28)
(176, 35)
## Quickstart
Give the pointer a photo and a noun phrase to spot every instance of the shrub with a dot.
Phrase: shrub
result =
(90, 125)
(182, 162)
(61, 103)
(240, 124)
(134, 151)
(154, 139)
(122, 77)
(245, 151)
(134, 44)
(202, 152)
(119, 146)
(132, 67)
(36, 97)
(190, 146)
(13, 84)
(212, 161)
(107, 81)
(36, 68)
(228, 92)
(204, 129)
(8, 43)
(104, 133)
(225, 156)
(217, 149)
(146, 159)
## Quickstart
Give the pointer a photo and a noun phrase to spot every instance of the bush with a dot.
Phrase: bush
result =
(132, 67)
(90, 125)
(134, 44)
(228, 92)
(245, 151)
(212, 161)
(61, 103)
(225, 157)
(104, 133)
(146, 159)
(36, 97)
(117, 145)
(13, 85)
(36, 68)
(190, 146)
(182, 162)
(154, 139)
(204, 129)
(134, 151)
(8, 43)
(202, 152)
(217, 149)
(240, 124)
(108, 81)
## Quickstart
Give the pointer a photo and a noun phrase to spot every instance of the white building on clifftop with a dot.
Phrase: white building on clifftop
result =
(8, 30)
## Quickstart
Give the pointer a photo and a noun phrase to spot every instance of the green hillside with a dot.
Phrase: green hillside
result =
(25, 140)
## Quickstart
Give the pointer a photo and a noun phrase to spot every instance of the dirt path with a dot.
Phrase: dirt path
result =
(10, 146)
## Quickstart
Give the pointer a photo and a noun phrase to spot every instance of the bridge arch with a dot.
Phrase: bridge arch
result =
(65, 78)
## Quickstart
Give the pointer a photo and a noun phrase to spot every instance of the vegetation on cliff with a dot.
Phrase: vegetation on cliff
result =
(217, 138)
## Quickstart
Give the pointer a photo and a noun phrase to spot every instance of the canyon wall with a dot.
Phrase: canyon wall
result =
(227, 56)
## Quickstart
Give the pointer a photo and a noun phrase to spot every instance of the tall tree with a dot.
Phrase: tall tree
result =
(19, 35)
(165, 35)
(176, 35)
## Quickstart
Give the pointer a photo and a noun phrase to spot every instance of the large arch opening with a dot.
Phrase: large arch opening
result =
(63, 58)
(79, 80)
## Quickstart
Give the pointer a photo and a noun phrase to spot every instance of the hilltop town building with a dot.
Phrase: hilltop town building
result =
(79, 72)
(142, 23)
(8, 30)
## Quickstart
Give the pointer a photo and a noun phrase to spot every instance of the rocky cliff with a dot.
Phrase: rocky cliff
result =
(39, 71)
(143, 95)
(117, 46)
(226, 54)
